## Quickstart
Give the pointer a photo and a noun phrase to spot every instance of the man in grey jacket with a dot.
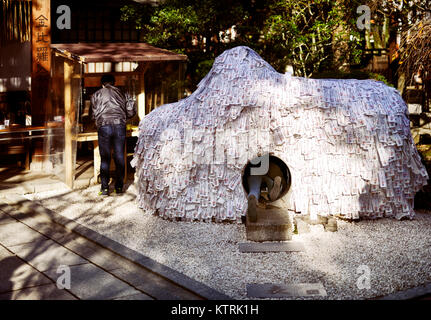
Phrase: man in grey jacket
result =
(111, 109)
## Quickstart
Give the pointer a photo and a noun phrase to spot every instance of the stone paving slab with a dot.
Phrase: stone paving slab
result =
(24, 211)
(48, 229)
(13, 234)
(51, 184)
(92, 283)
(106, 254)
(138, 296)
(105, 259)
(58, 233)
(268, 290)
(7, 189)
(38, 218)
(44, 292)
(273, 224)
(46, 255)
(100, 256)
(97, 240)
(30, 182)
(4, 218)
(16, 274)
(153, 285)
(94, 253)
(271, 247)
(4, 253)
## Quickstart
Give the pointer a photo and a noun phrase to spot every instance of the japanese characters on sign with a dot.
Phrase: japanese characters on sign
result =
(41, 37)
(41, 60)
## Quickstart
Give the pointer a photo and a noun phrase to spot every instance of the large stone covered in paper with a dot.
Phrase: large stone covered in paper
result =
(347, 144)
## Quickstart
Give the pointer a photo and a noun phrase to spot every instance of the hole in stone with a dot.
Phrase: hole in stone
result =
(273, 163)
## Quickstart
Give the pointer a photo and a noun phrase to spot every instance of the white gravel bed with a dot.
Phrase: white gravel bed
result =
(397, 253)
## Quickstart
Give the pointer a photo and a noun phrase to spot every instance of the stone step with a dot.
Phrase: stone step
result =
(290, 246)
(273, 224)
(268, 290)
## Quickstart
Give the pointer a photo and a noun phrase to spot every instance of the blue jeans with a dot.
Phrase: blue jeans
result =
(112, 136)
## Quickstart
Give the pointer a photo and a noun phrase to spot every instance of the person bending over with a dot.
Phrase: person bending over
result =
(111, 109)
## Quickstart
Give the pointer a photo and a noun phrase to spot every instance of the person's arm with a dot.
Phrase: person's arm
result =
(93, 107)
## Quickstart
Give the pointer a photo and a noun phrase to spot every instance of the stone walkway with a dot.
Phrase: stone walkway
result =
(39, 250)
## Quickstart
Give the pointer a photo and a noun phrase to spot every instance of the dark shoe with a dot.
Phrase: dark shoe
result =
(104, 192)
(118, 190)
(276, 189)
(252, 211)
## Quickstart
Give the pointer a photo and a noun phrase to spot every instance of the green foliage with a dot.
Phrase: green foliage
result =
(203, 67)
(379, 77)
(309, 35)
(195, 28)
(308, 32)
(352, 74)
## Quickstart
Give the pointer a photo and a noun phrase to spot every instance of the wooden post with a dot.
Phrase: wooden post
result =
(180, 79)
(41, 60)
(149, 103)
(69, 120)
(141, 97)
(27, 156)
(155, 100)
(162, 93)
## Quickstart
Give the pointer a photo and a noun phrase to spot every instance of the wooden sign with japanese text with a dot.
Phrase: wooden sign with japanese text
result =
(41, 59)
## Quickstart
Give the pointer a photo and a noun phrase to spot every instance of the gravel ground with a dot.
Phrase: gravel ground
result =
(397, 253)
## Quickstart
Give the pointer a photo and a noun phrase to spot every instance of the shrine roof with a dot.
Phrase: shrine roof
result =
(117, 52)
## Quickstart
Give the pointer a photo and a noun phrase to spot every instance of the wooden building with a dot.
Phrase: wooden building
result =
(77, 69)
(52, 56)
